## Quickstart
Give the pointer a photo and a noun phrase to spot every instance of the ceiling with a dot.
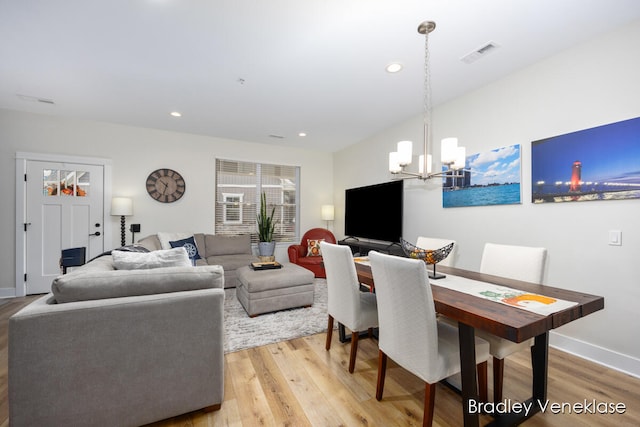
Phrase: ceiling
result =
(263, 71)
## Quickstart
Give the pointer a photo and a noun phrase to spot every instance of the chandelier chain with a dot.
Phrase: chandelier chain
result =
(427, 93)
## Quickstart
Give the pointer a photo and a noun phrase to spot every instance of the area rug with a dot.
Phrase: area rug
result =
(242, 331)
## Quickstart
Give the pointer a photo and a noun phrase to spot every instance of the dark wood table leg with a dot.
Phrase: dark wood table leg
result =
(539, 366)
(341, 333)
(466, 336)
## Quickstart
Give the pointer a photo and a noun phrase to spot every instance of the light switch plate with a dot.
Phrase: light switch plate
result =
(615, 237)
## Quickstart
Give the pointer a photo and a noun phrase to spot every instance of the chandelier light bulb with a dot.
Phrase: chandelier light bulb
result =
(394, 164)
(449, 150)
(405, 152)
(461, 158)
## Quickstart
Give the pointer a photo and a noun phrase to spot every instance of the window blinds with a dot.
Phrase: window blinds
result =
(238, 188)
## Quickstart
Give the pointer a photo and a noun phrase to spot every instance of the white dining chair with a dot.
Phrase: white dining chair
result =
(410, 333)
(513, 262)
(437, 243)
(356, 310)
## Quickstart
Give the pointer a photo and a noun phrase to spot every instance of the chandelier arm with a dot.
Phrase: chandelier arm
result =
(426, 176)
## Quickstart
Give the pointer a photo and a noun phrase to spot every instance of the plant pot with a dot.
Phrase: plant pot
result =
(266, 248)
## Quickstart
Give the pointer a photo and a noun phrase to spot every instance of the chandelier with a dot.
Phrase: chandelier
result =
(452, 156)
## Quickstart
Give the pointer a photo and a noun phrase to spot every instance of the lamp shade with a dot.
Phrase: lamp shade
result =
(461, 158)
(449, 150)
(121, 206)
(405, 152)
(327, 212)
(394, 163)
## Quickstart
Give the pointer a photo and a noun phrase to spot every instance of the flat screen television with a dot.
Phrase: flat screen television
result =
(375, 211)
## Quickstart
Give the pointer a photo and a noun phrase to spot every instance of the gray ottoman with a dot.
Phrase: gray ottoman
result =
(264, 291)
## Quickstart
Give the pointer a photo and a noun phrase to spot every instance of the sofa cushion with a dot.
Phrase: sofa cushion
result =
(226, 245)
(95, 284)
(151, 242)
(165, 238)
(190, 246)
(176, 257)
(102, 263)
(231, 262)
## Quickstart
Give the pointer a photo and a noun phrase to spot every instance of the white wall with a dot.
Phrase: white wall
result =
(590, 85)
(135, 153)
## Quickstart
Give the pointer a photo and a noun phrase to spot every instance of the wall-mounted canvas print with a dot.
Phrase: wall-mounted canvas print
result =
(489, 178)
(601, 163)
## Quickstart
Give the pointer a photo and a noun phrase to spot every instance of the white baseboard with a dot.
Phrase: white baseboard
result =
(7, 292)
(609, 358)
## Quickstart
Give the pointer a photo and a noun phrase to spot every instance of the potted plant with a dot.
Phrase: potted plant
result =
(266, 226)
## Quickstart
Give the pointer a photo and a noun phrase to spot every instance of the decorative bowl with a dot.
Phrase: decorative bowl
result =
(430, 256)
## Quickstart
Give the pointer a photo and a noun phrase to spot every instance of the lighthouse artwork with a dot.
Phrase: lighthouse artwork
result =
(575, 177)
(601, 163)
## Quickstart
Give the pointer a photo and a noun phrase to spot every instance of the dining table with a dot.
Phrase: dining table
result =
(511, 322)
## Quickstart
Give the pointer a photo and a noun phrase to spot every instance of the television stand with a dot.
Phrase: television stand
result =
(362, 247)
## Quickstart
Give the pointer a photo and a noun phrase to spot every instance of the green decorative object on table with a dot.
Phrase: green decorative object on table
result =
(266, 227)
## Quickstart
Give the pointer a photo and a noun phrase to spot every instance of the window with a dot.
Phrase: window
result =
(232, 208)
(65, 183)
(238, 189)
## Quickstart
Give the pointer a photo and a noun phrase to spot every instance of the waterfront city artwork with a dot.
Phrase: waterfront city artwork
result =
(601, 163)
(490, 178)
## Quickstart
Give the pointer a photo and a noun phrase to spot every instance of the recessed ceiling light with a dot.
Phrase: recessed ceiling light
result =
(176, 114)
(302, 134)
(394, 67)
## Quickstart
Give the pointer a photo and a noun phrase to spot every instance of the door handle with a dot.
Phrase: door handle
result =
(97, 233)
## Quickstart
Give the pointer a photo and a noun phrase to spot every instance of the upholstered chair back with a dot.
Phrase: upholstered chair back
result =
(407, 316)
(343, 289)
(514, 262)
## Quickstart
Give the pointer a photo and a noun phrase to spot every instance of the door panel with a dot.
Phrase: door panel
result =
(51, 220)
(64, 209)
(80, 227)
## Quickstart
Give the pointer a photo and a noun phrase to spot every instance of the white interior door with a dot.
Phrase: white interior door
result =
(64, 209)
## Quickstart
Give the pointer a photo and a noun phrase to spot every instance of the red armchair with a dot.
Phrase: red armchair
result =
(300, 254)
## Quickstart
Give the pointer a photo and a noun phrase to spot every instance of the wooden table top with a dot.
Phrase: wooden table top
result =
(512, 323)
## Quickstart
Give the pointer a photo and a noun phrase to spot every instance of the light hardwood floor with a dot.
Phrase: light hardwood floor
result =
(298, 383)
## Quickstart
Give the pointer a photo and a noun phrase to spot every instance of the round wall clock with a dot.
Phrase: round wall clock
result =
(165, 185)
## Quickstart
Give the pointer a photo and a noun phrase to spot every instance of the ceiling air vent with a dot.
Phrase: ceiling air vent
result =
(36, 99)
(479, 53)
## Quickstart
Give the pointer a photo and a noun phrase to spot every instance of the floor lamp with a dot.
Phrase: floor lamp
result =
(122, 206)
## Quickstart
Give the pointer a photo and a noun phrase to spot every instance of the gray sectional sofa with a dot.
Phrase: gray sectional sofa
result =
(118, 347)
(230, 252)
